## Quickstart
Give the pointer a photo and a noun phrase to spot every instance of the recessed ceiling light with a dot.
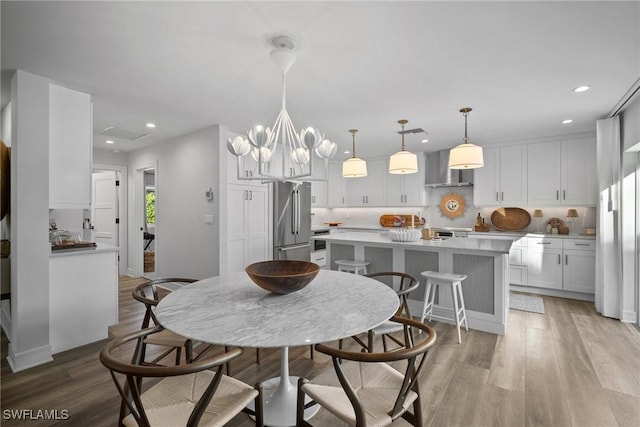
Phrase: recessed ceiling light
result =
(566, 122)
(108, 141)
(115, 151)
(151, 125)
(582, 89)
(424, 141)
(347, 152)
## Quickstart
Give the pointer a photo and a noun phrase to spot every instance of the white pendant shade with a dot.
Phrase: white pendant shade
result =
(354, 168)
(466, 156)
(403, 162)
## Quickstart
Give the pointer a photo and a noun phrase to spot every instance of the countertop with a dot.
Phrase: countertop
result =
(475, 244)
(100, 248)
(518, 235)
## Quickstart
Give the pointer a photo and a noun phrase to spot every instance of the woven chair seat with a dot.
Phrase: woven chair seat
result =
(170, 402)
(166, 338)
(376, 385)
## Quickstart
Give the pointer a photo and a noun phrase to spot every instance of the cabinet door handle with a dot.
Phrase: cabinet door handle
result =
(246, 195)
(363, 200)
(544, 243)
(343, 200)
(583, 244)
(566, 260)
(250, 194)
(502, 196)
(564, 195)
(497, 196)
(367, 199)
(559, 259)
(557, 195)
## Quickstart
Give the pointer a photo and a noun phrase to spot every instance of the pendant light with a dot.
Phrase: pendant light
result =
(354, 167)
(466, 155)
(403, 162)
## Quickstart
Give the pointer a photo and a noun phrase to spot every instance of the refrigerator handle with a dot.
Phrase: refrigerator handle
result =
(298, 212)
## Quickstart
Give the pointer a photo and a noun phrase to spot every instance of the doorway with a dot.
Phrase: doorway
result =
(149, 222)
(109, 209)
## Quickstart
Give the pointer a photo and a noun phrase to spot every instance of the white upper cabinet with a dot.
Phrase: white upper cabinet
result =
(502, 180)
(562, 173)
(336, 191)
(318, 194)
(407, 190)
(70, 148)
(369, 190)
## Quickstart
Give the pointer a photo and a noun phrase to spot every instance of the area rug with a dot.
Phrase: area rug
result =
(526, 303)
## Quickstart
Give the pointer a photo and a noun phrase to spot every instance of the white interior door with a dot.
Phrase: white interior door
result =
(104, 207)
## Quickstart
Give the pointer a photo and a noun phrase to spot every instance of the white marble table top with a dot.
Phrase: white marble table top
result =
(232, 310)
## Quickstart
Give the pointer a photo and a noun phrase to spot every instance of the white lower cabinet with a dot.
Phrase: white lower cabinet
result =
(579, 266)
(563, 264)
(83, 298)
(248, 226)
(518, 262)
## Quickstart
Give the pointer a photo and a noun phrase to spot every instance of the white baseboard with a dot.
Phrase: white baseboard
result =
(28, 359)
(628, 316)
(552, 292)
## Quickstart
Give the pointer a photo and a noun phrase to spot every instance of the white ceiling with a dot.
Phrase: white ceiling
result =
(364, 65)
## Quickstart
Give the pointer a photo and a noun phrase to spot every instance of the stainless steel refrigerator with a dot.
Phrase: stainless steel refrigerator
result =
(292, 221)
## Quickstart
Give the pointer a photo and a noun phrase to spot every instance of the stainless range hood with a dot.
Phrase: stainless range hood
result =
(439, 175)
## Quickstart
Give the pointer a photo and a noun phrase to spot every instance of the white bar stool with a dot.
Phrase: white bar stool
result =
(434, 280)
(351, 266)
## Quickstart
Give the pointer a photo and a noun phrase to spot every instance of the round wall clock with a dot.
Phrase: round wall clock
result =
(452, 205)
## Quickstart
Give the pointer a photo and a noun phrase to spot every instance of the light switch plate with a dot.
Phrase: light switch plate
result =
(208, 219)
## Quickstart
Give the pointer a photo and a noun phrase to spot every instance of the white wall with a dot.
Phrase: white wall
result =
(186, 167)
(106, 157)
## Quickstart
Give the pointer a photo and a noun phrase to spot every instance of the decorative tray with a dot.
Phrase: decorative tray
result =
(510, 219)
(72, 244)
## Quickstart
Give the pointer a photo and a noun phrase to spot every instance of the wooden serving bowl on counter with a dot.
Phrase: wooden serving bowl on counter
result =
(282, 276)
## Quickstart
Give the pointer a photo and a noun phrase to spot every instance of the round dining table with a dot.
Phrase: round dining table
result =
(232, 310)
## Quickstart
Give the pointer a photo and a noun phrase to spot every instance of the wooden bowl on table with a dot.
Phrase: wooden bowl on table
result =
(282, 276)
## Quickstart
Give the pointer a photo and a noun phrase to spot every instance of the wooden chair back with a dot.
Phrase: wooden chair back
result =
(128, 375)
(414, 352)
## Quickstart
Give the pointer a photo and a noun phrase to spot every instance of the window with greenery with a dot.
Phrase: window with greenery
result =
(150, 206)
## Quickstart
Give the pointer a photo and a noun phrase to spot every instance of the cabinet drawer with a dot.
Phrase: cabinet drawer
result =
(319, 257)
(518, 275)
(544, 243)
(580, 244)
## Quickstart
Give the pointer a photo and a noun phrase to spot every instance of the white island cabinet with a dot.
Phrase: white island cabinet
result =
(484, 261)
(83, 296)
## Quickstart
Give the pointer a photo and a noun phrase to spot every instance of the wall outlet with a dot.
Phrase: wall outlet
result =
(209, 219)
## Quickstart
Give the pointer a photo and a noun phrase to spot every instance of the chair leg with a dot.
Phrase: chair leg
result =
(311, 351)
(427, 305)
(178, 354)
(464, 311)
(259, 407)
(258, 356)
(455, 310)
(226, 350)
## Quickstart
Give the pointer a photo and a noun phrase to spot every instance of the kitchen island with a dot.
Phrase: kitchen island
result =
(484, 261)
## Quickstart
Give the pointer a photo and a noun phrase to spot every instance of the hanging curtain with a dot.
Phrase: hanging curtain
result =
(609, 238)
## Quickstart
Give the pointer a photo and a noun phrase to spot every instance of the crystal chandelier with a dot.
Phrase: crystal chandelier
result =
(466, 155)
(281, 153)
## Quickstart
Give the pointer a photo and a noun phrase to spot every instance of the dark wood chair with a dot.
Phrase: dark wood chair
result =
(365, 390)
(403, 285)
(150, 294)
(194, 394)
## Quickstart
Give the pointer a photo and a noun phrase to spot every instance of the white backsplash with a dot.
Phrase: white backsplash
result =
(433, 216)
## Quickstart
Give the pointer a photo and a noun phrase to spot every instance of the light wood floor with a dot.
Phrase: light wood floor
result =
(568, 367)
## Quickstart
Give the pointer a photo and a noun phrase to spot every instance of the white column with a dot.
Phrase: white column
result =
(29, 337)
